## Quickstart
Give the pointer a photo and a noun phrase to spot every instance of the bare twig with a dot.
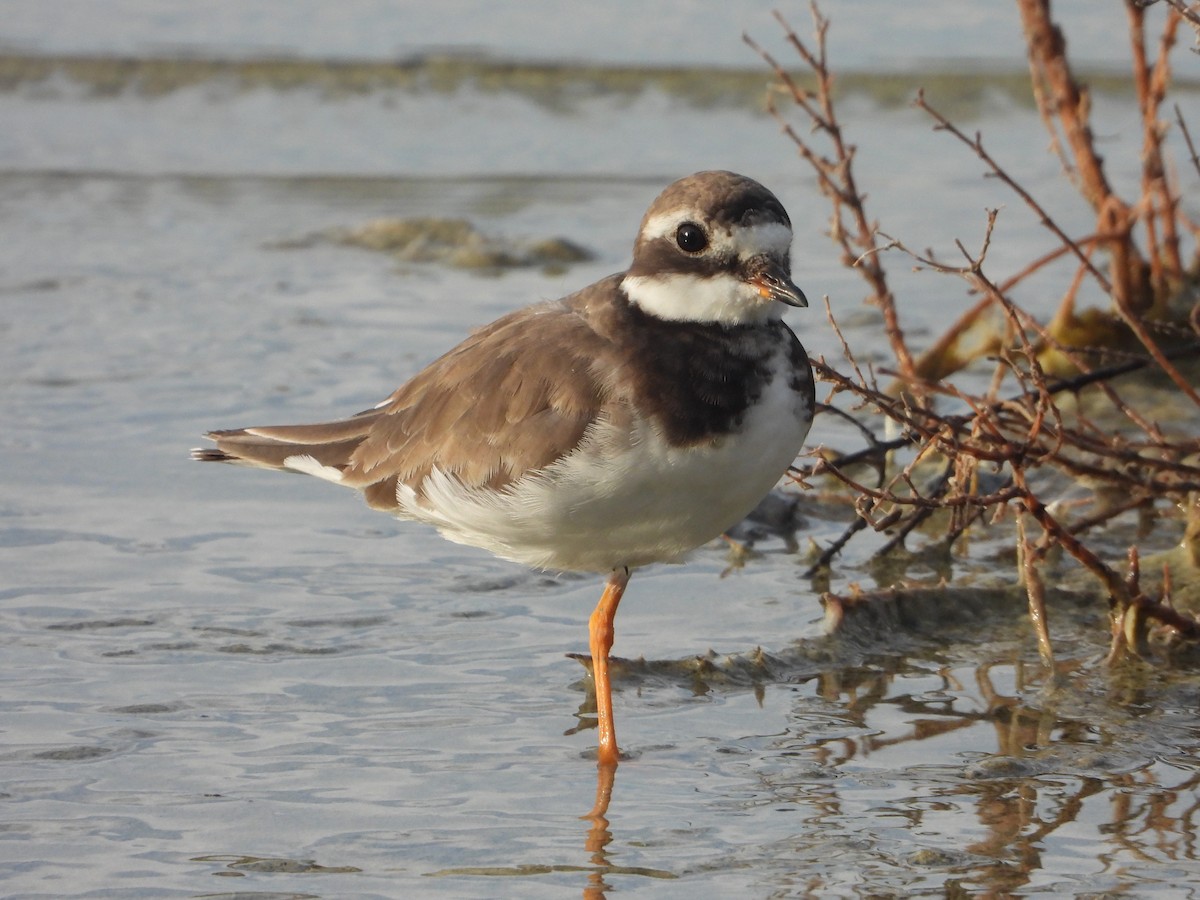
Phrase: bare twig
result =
(1129, 315)
(1187, 137)
(850, 225)
(1036, 592)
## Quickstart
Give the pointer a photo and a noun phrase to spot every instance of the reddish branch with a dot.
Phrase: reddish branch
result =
(1152, 81)
(1061, 96)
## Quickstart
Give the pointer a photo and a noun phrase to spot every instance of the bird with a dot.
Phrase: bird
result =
(625, 424)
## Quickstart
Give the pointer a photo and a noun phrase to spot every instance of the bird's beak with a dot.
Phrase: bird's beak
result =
(772, 281)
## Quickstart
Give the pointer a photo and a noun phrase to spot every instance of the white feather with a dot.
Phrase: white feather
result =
(681, 297)
(308, 466)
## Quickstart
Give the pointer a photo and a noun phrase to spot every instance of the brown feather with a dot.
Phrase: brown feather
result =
(329, 443)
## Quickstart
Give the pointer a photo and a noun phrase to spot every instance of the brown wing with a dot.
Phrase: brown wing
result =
(514, 396)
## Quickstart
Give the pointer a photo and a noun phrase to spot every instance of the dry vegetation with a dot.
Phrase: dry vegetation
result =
(1054, 410)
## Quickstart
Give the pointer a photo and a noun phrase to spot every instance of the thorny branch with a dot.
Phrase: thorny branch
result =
(1127, 310)
(989, 458)
(850, 226)
(1189, 11)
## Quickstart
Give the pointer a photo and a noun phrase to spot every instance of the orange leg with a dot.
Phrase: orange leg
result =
(600, 634)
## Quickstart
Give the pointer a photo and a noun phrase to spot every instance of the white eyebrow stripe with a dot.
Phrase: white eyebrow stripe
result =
(769, 238)
(664, 224)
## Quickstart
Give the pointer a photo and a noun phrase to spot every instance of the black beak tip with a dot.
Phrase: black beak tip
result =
(778, 286)
(794, 297)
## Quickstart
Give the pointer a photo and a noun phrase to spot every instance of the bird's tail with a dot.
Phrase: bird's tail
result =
(324, 449)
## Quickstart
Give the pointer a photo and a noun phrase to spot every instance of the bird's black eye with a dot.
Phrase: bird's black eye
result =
(691, 237)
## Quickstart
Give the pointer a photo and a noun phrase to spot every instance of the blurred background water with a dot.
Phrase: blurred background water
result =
(222, 683)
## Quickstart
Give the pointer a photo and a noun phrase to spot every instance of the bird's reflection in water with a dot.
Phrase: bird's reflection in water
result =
(599, 865)
(599, 836)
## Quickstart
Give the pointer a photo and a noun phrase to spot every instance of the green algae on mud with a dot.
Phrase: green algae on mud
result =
(452, 242)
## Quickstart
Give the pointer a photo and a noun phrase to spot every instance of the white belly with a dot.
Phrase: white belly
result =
(625, 499)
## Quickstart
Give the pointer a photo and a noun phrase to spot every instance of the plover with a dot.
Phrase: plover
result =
(625, 424)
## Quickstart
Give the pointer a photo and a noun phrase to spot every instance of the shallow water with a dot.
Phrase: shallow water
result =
(218, 682)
